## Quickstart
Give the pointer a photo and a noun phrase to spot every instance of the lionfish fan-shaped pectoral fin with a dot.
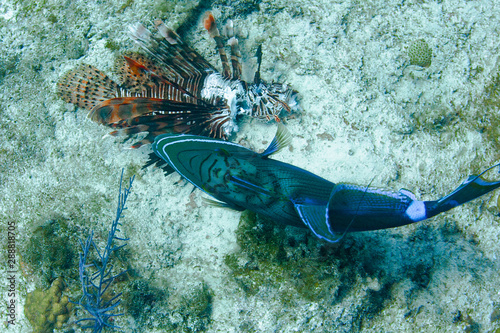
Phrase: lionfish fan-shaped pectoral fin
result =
(135, 71)
(148, 139)
(183, 64)
(126, 108)
(144, 78)
(86, 86)
(133, 115)
(314, 216)
(470, 189)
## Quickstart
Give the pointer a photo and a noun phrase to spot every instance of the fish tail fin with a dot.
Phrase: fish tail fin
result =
(316, 218)
(470, 189)
(86, 86)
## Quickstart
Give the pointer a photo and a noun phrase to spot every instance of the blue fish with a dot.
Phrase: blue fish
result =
(240, 178)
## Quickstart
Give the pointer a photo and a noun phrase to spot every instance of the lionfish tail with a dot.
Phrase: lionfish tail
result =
(270, 101)
(86, 86)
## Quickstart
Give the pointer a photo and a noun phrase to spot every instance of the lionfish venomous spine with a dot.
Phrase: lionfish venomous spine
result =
(172, 88)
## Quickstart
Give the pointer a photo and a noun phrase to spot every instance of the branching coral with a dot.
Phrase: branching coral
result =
(95, 285)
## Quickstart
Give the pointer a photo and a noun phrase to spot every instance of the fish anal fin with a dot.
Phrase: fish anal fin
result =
(314, 216)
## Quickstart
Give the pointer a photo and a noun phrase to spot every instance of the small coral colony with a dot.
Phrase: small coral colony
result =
(189, 109)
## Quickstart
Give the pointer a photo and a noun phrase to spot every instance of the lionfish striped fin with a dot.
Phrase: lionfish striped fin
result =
(86, 86)
(181, 65)
(127, 108)
(135, 71)
(132, 115)
(160, 91)
(211, 27)
(143, 78)
(198, 123)
(235, 58)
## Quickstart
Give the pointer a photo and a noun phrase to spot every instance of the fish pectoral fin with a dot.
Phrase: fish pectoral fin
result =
(280, 141)
(470, 189)
(249, 186)
(314, 216)
(222, 204)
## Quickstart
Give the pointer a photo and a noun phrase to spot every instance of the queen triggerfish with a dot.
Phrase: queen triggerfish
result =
(240, 178)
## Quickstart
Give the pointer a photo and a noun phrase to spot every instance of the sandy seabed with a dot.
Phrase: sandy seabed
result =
(369, 116)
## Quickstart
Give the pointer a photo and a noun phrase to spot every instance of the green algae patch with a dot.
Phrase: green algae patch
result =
(141, 297)
(157, 308)
(112, 45)
(195, 308)
(50, 250)
(362, 273)
(492, 92)
(291, 266)
(269, 258)
(125, 6)
(487, 118)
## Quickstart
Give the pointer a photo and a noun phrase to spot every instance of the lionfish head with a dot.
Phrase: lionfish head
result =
(269, 101)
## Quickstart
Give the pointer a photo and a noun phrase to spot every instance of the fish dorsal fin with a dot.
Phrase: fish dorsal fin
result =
(280, 141)
(314, 216)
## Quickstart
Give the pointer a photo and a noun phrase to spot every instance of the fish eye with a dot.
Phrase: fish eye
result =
(222, 152)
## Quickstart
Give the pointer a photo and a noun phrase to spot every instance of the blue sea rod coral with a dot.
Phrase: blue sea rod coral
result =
(96, 278)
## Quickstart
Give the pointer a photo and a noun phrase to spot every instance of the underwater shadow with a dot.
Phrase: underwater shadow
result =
(368, 263)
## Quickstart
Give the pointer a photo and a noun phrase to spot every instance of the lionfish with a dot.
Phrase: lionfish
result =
(173, 89)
